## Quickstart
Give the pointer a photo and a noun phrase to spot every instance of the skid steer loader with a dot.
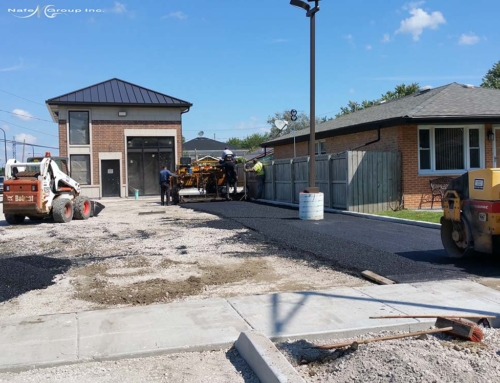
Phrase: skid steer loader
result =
(471, 214)
(40, 189)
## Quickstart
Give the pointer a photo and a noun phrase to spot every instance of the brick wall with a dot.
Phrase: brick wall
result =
(63, 139)
(416, 188)
(108, 136)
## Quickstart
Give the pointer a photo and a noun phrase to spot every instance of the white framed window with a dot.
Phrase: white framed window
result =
(320, 147)
(79, 127)
(80, 168)
(450, 149)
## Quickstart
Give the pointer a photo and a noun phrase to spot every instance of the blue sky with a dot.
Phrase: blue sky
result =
(237, 61)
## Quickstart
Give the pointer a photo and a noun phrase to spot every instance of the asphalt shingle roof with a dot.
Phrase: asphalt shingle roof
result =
(445, 102)
(204, 143)
(117, 92)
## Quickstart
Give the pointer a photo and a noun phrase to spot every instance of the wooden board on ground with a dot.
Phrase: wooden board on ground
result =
(377, 278)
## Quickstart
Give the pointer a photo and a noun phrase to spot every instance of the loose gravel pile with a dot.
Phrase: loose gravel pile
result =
(225, 366)
(429, 359)
(139, 253)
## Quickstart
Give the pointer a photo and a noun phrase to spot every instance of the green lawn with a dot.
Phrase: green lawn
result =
(427, 216)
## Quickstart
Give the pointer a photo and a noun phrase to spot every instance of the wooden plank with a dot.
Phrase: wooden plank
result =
(292, 186)
(372, 191)
(377, 278)
(364, 182)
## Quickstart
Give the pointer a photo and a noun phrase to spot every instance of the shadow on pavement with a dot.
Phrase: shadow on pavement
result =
(482, 265)
(241, 366)
(22, 274)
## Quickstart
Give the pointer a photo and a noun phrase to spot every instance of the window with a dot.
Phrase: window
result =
(79, 128)
(80, 168)
(320, 147)
(446, 149)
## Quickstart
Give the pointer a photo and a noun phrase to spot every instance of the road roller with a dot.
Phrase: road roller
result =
(471, 214)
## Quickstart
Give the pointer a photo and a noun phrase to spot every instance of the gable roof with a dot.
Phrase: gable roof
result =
(204, 143)
(117, 92)
(452, 102)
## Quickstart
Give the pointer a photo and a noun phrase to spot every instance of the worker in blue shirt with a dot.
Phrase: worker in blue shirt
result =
(165, 175)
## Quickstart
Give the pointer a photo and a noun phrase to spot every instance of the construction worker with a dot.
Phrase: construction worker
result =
(258, 168)
(165, 175)
(226, 153)
(231, 176)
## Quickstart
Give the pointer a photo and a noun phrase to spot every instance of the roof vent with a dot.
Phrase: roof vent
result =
(425, 88)
(382, 101)
(468, 86)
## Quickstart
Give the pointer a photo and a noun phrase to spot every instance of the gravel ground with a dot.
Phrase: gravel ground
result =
(432, 359)
(224, 366)
(139, 253)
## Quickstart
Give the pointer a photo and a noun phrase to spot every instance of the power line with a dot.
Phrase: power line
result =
(25, 143)
(23, 115)
(33, 130)
(15, 95)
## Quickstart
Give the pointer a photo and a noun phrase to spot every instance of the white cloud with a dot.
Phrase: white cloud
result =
(419, 21)
(349, 38)
(23, 137)
(413, 5)
(369, 47)
(469, 39)
(22, 114)
(176, 15)
(5, 127)
(119, 8)
(351, 90)
(13, 68)
(386, 38)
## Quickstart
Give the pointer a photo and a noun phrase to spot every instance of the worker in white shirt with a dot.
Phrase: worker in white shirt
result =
(227, 152)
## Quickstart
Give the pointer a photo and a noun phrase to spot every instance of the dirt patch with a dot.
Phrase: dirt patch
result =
(121, 258)
(98, 290)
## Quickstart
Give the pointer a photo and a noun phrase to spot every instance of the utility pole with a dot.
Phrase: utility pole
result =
(14, 155)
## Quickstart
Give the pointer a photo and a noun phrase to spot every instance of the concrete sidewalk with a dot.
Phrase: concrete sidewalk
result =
(216, 323)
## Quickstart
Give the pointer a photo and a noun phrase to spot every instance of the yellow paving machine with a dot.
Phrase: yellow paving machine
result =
(471, 214)
(202, 180)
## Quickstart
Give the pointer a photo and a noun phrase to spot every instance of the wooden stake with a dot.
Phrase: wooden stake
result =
(411, 334)
(471, 316)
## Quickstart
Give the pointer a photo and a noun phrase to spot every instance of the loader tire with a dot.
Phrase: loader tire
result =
(14, 219)
(81, 207)
(62, 210)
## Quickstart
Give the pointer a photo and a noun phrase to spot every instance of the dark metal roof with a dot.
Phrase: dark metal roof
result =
(449, 103)
(204, 143)
(117, 92)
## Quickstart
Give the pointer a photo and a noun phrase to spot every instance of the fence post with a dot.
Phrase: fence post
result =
(273, 180)
(330, 181)
(292, 182)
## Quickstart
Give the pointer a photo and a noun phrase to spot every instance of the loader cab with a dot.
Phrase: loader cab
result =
(62, 162)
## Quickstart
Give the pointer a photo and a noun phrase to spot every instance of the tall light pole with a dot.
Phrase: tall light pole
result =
(5, 143)
(310, 12)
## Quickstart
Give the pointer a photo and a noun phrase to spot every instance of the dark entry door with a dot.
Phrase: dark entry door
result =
(110, 178)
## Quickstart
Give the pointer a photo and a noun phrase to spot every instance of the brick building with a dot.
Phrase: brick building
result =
(444, 131)
(117, 135)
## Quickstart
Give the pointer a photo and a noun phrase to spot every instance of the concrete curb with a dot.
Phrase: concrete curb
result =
(410, 222)
(265, 359)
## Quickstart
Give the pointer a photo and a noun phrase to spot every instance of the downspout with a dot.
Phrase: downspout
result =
(369, 143)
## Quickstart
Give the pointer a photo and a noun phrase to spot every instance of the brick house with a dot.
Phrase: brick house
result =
(444, 131)
(116, 136)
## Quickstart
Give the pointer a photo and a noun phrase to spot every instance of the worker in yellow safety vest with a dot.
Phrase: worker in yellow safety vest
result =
(258, 168)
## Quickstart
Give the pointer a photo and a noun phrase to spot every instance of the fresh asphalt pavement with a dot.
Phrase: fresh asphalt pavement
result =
(401, 252)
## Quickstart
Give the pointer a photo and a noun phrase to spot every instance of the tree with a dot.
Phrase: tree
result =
(399, 91)
(302, 122)
(492, 78)
(251, 142)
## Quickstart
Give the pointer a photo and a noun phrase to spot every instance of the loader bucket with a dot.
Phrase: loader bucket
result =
(95, 208)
